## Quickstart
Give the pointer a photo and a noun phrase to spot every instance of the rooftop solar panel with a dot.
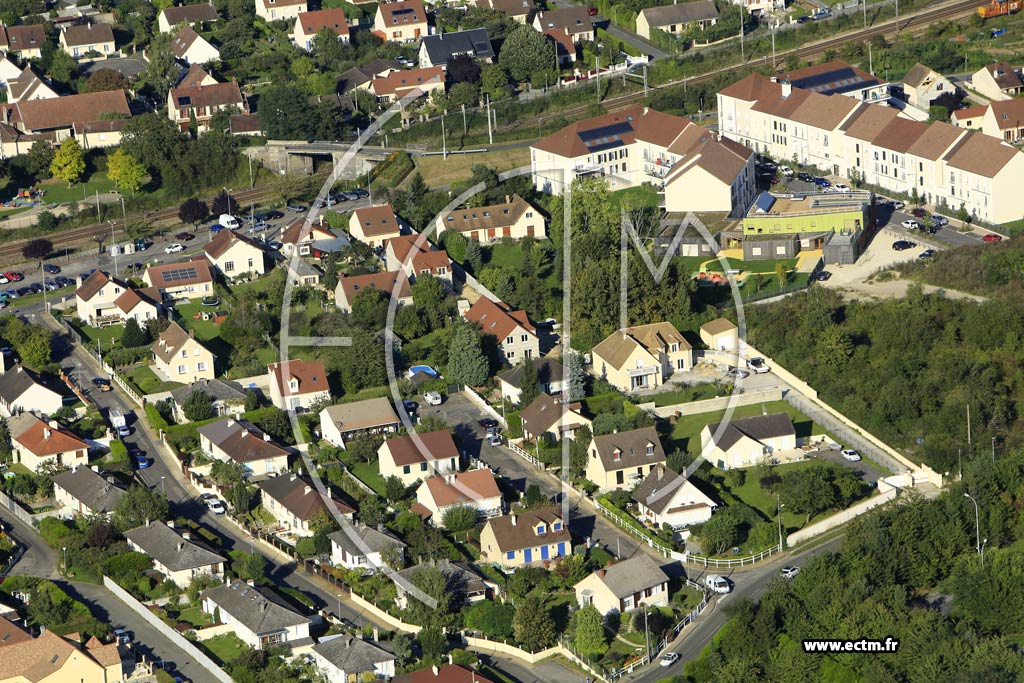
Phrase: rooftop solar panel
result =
(180, 274)
(616, 129)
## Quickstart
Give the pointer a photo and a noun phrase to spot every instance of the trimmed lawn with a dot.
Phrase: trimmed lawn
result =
(697, 392)
(751, 493)
(195, 616)
(559, 605)
(187, 317)
(107, 335)
(765, 266)
(59, 192)
(369, 474)
(439, 172)
(686, 432)
(146, 380)
(225, 649)
(643, 195)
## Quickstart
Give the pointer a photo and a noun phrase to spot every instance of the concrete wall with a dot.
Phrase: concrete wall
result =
(12, 506)
(484, 405)
(213, 631)
(216, 673)
(712, 405)
(393, 622)
(511, 650)
(885, 494)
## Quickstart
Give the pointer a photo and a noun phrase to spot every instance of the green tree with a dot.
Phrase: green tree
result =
(493, 619)
(394, 489)
(133, 335)
(198, 406)
(284, 113)
(577, 376)
(373, 510)
(466, 361)
(364, 448)
(125, 171)
(719, 533)
(227, 473)
(808, 491)
(781, 273)
(430, 297)
(533, 498)
(588, 632)
(474, 257)
(494, 81)
(37, 249)
(39, 158)
(533, 626)
(459, 518)
(193, 211)
(103, 80)
(162, 70)
(138, 506)
(525, 53)
(249, 566)
(435, 584)
(275, 422)
(432, 643)
(529, 383)
(370, 309)
(63, 68)
(463, 95)
(68, 161)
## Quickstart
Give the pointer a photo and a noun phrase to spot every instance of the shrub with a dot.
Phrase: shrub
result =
(156, 419)
(54, 531)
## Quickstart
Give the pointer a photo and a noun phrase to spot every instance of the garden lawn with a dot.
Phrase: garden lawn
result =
(642, 195)
(439, 172)
(143, 377)
(205, 330)
(195, 616)
(107, 335)
(698, 392)
(686, 431)
(224, 649)
(766, 266)
(751, 493)
(57, 191)
(369, 474)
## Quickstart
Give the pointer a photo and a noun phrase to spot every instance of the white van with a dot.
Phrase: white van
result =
(718, 584)
(229, 221)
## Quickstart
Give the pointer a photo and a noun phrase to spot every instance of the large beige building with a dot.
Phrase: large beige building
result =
(625, 586)
(678, 18)
(846, 136)
(174, 555)
(1000, 119)
(274, 10)
(403, 21)
(180, 358)
(641, 357)
(102, 300)
(621, 459)
(88, 40)
(746, 441)
(51, 658)
(235, 255)
(298, 384)
(35, 441)
(374, 225)
(476, 489)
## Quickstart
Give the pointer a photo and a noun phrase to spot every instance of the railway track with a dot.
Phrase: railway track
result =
(921, 19)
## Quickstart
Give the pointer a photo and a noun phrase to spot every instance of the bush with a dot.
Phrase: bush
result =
(55, 532)
(156, 419)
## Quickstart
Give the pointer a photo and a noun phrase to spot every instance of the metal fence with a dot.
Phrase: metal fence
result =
(523, 453)
(624, 524)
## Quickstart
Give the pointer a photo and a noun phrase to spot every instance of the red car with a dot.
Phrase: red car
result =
(14, 276)
(992, 237)
(919, 213)
(592, 11)
(184, 236)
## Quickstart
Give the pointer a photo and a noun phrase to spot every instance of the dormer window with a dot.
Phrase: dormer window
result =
(650, 449)
(293, 384)
(557, 526)
(616, 455)
(541, 529)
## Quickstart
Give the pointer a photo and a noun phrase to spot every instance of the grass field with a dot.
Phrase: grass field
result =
(57, 191)
(439, 172)
(369, 474)
(765, 266)
(143, 377)
(195, 616)
(643, 195)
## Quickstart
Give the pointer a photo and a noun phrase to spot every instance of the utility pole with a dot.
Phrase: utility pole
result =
(252, 181)
(124, 214)
(369, 187)
(977, 523)
(98, 216)
(113, 248)
(490, 133)
(597, 76)
(645, 81)
(897, 16)
(463, 119)
(864, 6)
(647, 634)
(968, 428)
(778, 507)
(774, 26)
(743, 53)
(444, 140)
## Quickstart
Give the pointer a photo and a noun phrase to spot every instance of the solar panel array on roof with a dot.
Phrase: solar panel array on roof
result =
(184, 101)
(840, 81)
(614, 129)
(180, 274)
(765, 202)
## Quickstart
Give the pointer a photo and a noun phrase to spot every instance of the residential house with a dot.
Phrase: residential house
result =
(179, 357)
(52, 658)
(9, 71)
(345, 657)
(521, 11)
(258, 617)
(418, 456)
(551, 379)
(27, 85)
(22, 390)
(415, 256)
(202, 102)
(359, 77)
(447, 673)
(84, 492)
(227, 398)
(275, 10)
(923, 86)
(24, 41)
(235, 255)
(838, 78)
(720, 334)
(393, 283)
(625, 586)
(294, 503)
(474, 488)
(192, 48)
(195, 77)
(304, 274)
(439, 49)
(102, 300)
(747, 441)
(88, 40)
(418, 82)
(515, 218)
(309, 24)
(516, 335)
(971, 117)
(307, 241)
(664, 497)
(1003, 119)
(760, 8)
(355, 546)
(231, 440)
(35, 441)
(401, 22)
(621, 459)
(575, 20)
(565, 47)
(677, 19)
(180, 281)
(642, 357)
(465, 584)
(714, 174)
(374, 225)
(346, 421)
(298, 384)
(190, 15)
(175, 555)
(997, 82)
(523, 538)
(548, 415)
(85, 117)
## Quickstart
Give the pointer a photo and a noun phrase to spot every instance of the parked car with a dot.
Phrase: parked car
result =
(433, 398)
(789, 572)
(15, 276)
(737, 373)
(63, 281)
(488, 423)
(822, 275)
(36, 287)
(141, 461)
(822, 182)
(910, 224)
(992, 237)
(939, 220)
(4, 280)
(592, 11)
(668, 659)
(51, 269)
(410, 406)
(50, 285)
(215, 506)
(174, 248)
(261, 226)
(25, 291)
(494, 439)
(718, 584)
(297, 208)
(918, 212)
(841, 187)
(216, 227)
(273, 215)
(850, 454)
(758, 365)
(122, 636)
(185, 236)
(101, 384)
(786, 171)
(897, 205)
(900, 245)
(927, 253)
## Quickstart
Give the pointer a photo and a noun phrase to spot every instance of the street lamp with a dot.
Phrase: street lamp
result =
(228, 193)
(162, 492)
(65, 560)
(983, 542)
(977, 523)
(779, 505)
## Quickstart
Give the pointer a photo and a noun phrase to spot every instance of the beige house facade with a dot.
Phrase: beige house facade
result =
(641, 357)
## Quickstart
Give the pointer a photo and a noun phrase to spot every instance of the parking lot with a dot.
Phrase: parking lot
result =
(865, 470)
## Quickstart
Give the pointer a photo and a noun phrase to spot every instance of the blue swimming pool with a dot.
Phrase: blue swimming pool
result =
(426, 369)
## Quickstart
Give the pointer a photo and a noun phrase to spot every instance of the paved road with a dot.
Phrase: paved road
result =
(39, 559)
(695, 637)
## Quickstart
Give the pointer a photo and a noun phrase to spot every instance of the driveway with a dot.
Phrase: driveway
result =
(865, 470)
(129, 66)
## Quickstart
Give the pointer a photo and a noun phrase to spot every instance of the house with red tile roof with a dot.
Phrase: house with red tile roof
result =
(203, 101)
(375, 225)
(24, 41)
(448, 673)
(275, 10)
(235, 255)
(51, 657)
(417, 82)
(190, 279)
(515, 218)
(102, 300)
(476, 489)
(516, 335)
(411, 457)
(404, 21)
(393, 283)
(414, 255)
(297, 384)
(35, 441)
(309, 24)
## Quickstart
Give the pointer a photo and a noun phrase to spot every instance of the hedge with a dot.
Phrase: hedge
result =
(156, 420)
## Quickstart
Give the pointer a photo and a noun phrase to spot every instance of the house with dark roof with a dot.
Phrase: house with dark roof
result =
(346, 657)
(394, 284)
(174, 554)
(179, 357)
(190, 279)
(298, 384)
(24, 41)
(356, 546)
(525, 538)
(838, 78)
(359, 77)
(664, 497)
(418, 456)
(244, 443)
(198, 13)
(22, 390)
(621, 459)
(446, 673)
(192, 48)
(923, 85)
(227, 398)
(515, 334)
(551, 379)
(514, 218)
(343, 422)
(439, 49)
(35, 441)
(575, 20)
(84, 492)
(295, 502)
(677, 19)
(309, 24)
(997, 82)
(259, 617)
(642, 356)
(747, 441)
(475, 489)
(403, 21)
(625, 586)
(235, 255)
(549, 415)
(203, 101)
(465, 584)
(88, 40)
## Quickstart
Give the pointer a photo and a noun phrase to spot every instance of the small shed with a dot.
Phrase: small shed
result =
(721, 334)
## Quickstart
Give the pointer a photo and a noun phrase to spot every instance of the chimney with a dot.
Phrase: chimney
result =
(54, 424)
(293, 478)
(435, 670)
(514, 517)
(231, 423)
(46, 433)
(187, 535)
(170, 523)
(646, 109)
(249, 581)
(508, 199)
(787, 88)
(306, 490)
(601, 572)
(764, 409)
(181, 546)
(74, 468)
(95, 468)
(376, 634)
(450, 662)
(266, 437)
